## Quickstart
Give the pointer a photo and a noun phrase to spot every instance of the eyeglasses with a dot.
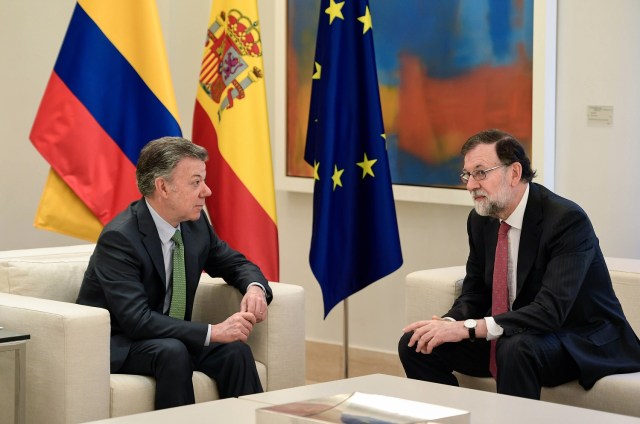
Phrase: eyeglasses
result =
(478, 175)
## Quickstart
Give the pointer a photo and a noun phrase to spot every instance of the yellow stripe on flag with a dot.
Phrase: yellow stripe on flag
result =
(244, 144)
(144, 49)
(58, 202)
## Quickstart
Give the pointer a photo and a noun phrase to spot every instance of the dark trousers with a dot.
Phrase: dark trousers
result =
(525, 363)
(172, 365)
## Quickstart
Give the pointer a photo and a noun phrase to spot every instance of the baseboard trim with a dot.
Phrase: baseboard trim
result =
(325, 362)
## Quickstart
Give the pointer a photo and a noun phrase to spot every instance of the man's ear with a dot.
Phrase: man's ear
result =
(162, 187)
(516, 173)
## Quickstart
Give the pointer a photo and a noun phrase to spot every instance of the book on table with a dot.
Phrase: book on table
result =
(360, 407)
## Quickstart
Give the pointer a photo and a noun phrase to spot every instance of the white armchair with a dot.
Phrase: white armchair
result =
(68, 378)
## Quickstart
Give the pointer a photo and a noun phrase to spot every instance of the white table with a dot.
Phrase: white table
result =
(484, 407)
(17, 342)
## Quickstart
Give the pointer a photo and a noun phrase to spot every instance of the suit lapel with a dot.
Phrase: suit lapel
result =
(150, 238)
(530, 235)
(491, 236)
(190, 257)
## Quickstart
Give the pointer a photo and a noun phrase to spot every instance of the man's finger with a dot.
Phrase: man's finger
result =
(413, 326)
(249, 316)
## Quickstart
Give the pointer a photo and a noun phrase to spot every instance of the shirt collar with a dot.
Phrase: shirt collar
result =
(165, 230)
(517, 216)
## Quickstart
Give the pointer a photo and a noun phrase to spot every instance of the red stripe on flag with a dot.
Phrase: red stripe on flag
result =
(247, 228)
(65, 133)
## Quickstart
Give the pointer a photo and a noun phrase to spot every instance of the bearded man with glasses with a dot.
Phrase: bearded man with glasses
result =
(537, 306)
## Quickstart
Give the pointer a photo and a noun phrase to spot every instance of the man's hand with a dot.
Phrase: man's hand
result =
(429, 334)
(235, 328)
(255, 302)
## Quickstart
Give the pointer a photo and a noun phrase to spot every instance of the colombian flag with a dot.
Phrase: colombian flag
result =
(230, 121)
(109, 94)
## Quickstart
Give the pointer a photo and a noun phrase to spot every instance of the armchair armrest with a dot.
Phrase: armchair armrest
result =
(278, 342)
(432, 291)
(67, 358)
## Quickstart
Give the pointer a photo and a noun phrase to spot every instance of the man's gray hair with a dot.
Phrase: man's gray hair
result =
(159, 158)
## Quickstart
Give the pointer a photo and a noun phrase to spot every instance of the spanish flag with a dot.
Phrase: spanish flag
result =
(230, 121)
(109, 94)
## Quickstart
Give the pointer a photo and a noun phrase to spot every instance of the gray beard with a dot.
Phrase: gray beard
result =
(491, 209)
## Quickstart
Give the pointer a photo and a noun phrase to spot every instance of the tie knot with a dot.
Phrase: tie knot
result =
(504, 228)
(177, 237)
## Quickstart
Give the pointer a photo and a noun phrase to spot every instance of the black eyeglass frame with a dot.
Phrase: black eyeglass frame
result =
(478, 174)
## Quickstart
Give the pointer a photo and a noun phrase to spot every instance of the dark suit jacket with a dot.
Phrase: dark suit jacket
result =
(563, 286)
(126, 276)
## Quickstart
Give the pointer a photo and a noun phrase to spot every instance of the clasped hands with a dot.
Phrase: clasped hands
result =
(428, 334)
(253, 309)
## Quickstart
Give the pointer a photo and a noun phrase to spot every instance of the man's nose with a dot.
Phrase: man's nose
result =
(472, 184)
(206, 192)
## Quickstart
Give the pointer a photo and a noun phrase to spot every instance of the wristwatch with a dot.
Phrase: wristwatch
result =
(470, 325)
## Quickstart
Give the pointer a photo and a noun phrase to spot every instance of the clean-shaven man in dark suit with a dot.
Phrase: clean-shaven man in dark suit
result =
(562, 321)
(130, 275)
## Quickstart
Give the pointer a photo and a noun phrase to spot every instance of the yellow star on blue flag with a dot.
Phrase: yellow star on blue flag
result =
(334, 10)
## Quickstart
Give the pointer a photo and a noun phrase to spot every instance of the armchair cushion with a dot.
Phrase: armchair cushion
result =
(31, 278)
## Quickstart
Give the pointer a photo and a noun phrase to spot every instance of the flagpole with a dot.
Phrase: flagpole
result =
(345, 335)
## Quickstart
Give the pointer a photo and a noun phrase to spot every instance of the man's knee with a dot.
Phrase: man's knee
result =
(174, 354)
(403, 346)
(172, 348)
(239, 351)
(517, 343)
(516, 349)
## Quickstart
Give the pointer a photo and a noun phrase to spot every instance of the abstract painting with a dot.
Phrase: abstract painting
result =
(446, 70)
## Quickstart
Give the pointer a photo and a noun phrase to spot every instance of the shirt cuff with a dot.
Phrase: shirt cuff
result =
(206, 342)
(494, 331)
(259, 285)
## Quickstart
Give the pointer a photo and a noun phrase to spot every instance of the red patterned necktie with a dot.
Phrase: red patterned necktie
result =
(500, 292)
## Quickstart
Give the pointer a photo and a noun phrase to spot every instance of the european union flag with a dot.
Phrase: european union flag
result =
(355, 237)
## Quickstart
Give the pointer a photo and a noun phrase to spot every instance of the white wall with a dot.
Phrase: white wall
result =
(31, 33)
(598, 63)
